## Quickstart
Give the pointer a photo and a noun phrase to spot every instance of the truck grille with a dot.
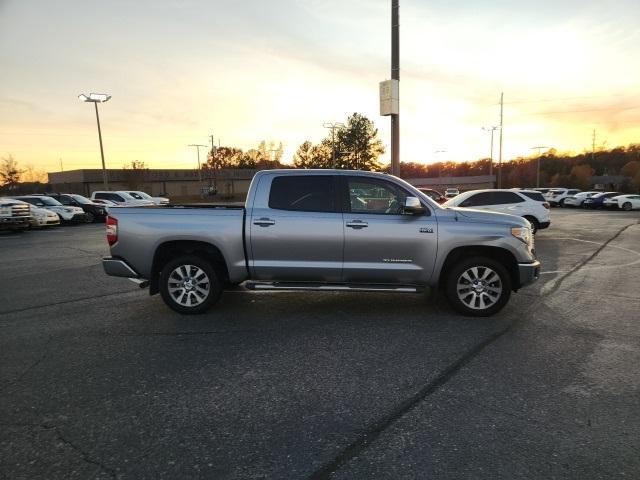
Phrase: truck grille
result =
(20, 210)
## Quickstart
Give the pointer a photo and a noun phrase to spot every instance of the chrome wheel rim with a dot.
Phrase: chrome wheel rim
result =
(189, 285)
(479, 288)
(627, 206)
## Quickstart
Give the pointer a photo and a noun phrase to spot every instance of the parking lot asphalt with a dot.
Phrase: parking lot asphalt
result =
(99, 380)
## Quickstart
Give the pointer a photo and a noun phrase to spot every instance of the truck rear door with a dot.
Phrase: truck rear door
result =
(296, 229)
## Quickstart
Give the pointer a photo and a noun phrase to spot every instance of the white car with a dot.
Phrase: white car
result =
(145, 196)
(122, 198)
(523, 203)
(556, 196)
(41, 217)
(578, 199)
(451, 192)
(66, 213)
(624, 202)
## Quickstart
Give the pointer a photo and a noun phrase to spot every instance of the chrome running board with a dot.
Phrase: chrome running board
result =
(328, 287)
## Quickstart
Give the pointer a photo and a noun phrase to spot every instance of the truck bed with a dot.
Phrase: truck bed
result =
(142, 230)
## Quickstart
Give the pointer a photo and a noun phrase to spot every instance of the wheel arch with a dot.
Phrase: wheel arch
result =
(500, 254)
(171, 249)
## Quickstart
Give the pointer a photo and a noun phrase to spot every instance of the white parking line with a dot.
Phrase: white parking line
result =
(599, 267)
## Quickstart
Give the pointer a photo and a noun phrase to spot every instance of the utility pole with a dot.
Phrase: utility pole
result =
(213, 164)
(491, 129)
(395, 75)
(501, 130)
(61, 167)
(593, 146)
(333, 126)
(538, 168)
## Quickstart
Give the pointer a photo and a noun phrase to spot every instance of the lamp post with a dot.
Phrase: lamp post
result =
(538, 166)
(436, 152)
(491, 129)
(199, 169)
(97, 98)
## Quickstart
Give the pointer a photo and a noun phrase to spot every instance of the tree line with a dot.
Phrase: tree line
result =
(356, 145)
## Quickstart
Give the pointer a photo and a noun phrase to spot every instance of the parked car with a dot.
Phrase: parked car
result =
(556, 196)
(597, 200)
(506, 201)
(14, 215)
(122, 198)
(95, 212)
(145, 196)
(105, 203)
(434, 195)
(623, 202)
(41, 217)
(578, 199)
(67, 214)
(323, 230)
(451, 192)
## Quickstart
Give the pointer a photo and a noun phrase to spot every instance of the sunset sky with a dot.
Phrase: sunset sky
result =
(252, 70)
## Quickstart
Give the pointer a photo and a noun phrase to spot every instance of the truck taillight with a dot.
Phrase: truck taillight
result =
(112, 230)
(546, 205)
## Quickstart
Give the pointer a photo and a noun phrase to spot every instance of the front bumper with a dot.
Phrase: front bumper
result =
(528, 272)
(543, 225)
(116, 267)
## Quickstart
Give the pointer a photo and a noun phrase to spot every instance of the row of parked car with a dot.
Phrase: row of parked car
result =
(533, 204)
(564, 197)
(36, 211)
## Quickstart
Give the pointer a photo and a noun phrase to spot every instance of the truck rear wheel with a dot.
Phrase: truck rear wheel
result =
(189, 284)
(478, 286)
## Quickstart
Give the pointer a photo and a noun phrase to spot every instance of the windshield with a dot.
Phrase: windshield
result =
(139, 195)
(48, 201)
(81, 199)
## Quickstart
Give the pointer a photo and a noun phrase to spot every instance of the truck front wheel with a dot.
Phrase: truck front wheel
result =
(189, 284)
(478, 286)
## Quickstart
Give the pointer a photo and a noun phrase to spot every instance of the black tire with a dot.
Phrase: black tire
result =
(89, 217)
(173, 289)
(626, 206)
(462, 302)
(562, 203)
(535, 225)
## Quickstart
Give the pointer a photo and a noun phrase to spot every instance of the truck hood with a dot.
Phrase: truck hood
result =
(483, 216)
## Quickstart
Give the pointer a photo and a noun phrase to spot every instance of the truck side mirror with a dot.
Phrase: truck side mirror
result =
(413, 206)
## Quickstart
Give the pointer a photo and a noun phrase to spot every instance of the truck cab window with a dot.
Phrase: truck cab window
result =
(374, 196)
(303, 193)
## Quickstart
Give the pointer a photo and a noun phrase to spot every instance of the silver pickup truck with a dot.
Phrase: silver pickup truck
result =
(323, 230)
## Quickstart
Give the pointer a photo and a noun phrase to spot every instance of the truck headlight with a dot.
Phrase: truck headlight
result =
(523, 234)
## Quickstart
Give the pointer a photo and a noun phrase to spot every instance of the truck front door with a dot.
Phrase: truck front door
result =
(382, 243)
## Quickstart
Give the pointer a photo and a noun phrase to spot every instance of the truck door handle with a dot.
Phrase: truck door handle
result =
(264, 222)
(357, 224)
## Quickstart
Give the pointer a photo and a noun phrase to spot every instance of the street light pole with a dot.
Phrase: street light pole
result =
(197, 145)
(538, 167)
(501, 130)
(491, 129)
(96, 98)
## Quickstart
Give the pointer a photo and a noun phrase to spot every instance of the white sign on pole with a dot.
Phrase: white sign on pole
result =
(390, 97)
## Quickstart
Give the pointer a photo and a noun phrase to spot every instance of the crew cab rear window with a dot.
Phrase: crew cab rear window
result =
(304, 193)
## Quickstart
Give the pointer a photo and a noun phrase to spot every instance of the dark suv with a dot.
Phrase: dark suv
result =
(94, 211)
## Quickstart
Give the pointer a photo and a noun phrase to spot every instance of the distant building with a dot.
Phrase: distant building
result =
(174, 183)
(462, 183)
